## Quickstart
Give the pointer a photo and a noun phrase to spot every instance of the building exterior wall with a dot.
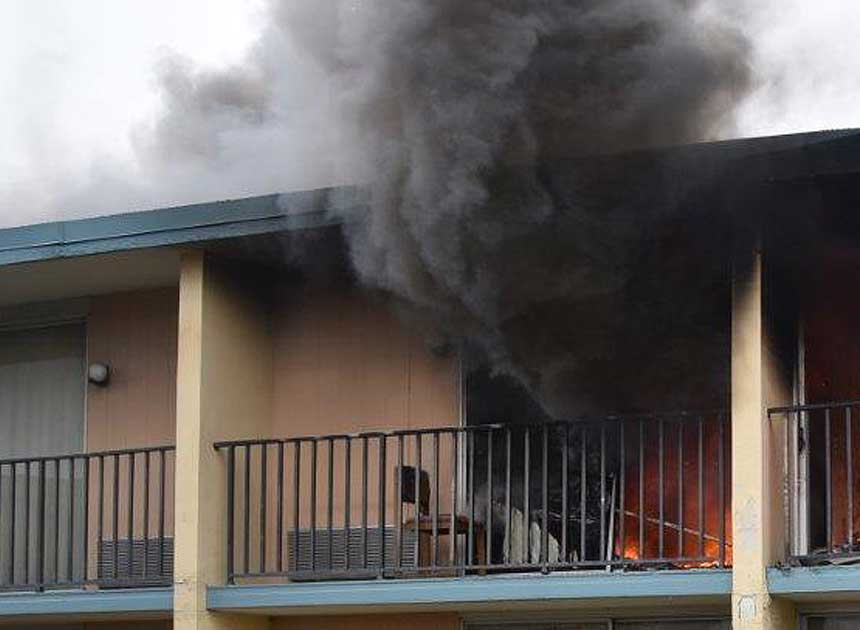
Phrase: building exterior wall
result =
(343, 362)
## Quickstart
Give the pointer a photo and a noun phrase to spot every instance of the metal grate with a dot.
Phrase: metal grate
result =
(135, 562)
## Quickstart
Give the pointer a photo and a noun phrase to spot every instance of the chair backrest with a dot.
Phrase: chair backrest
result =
(407, 488)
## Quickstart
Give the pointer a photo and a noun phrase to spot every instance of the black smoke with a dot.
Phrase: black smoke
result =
(517, 208)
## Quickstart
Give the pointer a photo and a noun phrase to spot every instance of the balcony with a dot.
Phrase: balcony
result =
(93, 520)
(821, 482)
(618, 493)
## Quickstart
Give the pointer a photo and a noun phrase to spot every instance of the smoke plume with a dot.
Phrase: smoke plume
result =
(481, 127)
(512, 210)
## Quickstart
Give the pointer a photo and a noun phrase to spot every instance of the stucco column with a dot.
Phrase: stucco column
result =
(223, 392)
(756, 528)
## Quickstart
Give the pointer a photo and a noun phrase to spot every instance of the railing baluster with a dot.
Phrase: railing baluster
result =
(71, 550)
(488, 527)
(418, 514)
(264, 456)
(364, 497)
(641, 489)
(115, 522)
(231, 514)
(246, 546)
(849, 477)
(526, 496)
(680, 553)
(297, 471)
(470, 485)
(583, 494)
(57, 521)
(347, 500)
(603, 536)
(132, 464)
(330, 504)
(100, 534)
(280, 525)
(454, 525)
(544, 539)
(2, 511)
(661, 491)
(564, 483)
(381, 515)
(27, 523)
(828, 474)
(721, 489)
(434, 539)
(701, 488)
(162, 510)
(398, 506)
(40, 566)
(508, 543)
(14, 522)
(622, 490)
(313, 507)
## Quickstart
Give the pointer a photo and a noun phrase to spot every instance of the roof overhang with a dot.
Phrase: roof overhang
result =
(182, 225)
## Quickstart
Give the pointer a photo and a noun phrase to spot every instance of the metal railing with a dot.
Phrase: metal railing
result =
(821, 483)
(102, 519)
(632, 493)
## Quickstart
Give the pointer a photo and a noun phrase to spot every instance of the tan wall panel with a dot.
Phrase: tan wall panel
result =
(422, 621)
(135, 333)
(344, 362)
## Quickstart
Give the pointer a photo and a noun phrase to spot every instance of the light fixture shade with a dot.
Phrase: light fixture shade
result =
(99, 373)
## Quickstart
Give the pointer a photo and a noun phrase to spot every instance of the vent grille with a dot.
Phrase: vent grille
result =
(130, 557)
(330, 554)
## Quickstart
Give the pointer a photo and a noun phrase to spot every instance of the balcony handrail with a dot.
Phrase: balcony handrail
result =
(812, 407)
(720, 414)
(400, 502)
(88, 455)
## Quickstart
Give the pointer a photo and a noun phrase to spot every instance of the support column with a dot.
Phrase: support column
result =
(756, 455)
(223, 392)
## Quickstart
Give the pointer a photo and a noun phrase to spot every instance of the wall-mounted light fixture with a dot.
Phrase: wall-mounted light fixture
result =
(99, 374)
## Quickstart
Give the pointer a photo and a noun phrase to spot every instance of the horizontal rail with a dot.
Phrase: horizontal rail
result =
(813, 407)
(644, 491)
(665, 415)
(87, 455)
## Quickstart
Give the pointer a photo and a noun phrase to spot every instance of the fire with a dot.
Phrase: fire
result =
(695, 526)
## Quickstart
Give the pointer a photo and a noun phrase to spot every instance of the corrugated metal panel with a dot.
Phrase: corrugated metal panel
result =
(130, 557)
(338, 546)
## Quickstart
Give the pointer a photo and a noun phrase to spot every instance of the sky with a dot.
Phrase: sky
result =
(78, 82)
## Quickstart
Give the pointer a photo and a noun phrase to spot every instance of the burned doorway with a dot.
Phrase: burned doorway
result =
(830, 350)
(632, 490)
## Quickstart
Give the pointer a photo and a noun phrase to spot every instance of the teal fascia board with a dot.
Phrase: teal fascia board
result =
(813, 580)
(150, 601)
(453, 592)
(180, 225)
